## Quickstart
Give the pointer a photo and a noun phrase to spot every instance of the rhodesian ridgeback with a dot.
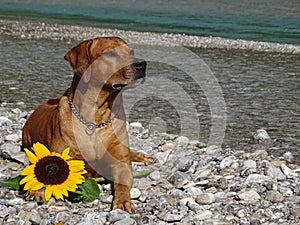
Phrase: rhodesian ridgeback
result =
(89, 118)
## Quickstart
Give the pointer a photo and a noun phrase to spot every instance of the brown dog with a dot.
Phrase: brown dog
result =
(90, 117)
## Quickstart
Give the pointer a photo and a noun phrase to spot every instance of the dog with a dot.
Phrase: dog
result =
(89, 118)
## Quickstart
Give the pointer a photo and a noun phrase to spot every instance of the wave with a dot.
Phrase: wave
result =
(67, 32)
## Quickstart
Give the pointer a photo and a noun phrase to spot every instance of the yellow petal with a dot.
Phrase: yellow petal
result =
(65, 154)
(31, 157)
(57, 192)
(28, 170)
(37, 186)
(48, 192)
(31, 184)
(40, 150)
(26, 179)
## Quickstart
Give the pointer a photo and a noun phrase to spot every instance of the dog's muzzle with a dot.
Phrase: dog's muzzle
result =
(137, 77)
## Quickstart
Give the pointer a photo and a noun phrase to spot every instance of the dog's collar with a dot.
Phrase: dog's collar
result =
(90, 126)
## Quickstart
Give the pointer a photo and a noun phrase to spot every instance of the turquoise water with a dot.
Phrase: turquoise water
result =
(264, 20)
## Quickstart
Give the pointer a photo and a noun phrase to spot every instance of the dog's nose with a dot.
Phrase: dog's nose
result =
(140, 64)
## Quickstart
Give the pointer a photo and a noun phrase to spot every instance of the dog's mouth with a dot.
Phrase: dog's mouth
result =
(128, 84)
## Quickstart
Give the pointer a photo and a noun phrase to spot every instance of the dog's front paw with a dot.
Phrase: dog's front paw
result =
(123, 204)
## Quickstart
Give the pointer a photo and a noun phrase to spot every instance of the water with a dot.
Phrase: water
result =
(243, 19)
(260, 89)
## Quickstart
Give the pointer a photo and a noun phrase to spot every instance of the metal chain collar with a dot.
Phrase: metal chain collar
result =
(90, 126)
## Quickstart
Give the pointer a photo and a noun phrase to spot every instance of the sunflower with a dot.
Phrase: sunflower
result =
(53, 171)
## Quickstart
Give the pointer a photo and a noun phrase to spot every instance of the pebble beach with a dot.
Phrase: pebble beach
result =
(191, 183)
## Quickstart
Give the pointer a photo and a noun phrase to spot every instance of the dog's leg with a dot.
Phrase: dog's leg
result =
(122, 175)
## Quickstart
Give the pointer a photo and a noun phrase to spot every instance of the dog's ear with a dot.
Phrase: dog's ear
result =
(80, 59)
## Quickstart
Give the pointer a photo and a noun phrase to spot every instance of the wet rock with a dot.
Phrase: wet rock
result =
(262, 135)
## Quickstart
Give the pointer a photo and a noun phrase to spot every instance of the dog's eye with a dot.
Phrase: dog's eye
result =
(110, 53)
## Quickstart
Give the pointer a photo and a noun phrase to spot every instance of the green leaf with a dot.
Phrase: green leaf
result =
(90, 190)
(86, 192)
(14, 182)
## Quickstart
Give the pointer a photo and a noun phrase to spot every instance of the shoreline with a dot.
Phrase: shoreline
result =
(40, 30)
(190, 184)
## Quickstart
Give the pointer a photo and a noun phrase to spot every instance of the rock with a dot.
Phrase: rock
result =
(205, 199)
(250, 196)
(126, 221)
(262, 135)
(182, 142)
(146, 220)
(62, 217)
(12, 137)
(203, 174)
(162, 157)
(5, 121)
(135, 193)
(35, 217)
(288, 156)
(172, 218)
(202, 215)
(193, 191)
(256, 178)
(226, 162)
(249, 166)
(167, 146)
(287, 171)
(194, 206)
(183, 164)
(272, 171)
(116, 215)
(155, 175)
(212, 150)
(274, 196)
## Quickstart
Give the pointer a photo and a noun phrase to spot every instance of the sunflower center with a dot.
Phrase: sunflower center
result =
(51, 170)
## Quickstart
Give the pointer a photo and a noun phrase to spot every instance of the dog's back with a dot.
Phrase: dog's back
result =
(40, 126)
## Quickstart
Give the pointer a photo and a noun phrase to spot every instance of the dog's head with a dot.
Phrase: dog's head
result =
(107, 62)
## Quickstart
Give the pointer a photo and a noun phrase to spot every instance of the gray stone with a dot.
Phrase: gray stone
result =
(35, 217)
(183, 164)
(4, 211)
(15, 201)
(274, 196)
(126, 221)
(155, 175)
(116, 215)
(4, 121)
(205, 199)
(63, 216)
(288, 156)
(162, 157)
(212, 150)
(250, 196)
(287, 171)
(182, 142)
(249, 166)
(145, 220)
(193, 191)
(226, 162)
(203, 215)
(256, 178)
(262, 135)
(12, 137)
(135, 193)
(172, 218)
(194, 206)
(272, 171)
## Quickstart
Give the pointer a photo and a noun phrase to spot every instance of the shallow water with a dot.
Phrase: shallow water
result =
(252, 20)
(261, 90)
